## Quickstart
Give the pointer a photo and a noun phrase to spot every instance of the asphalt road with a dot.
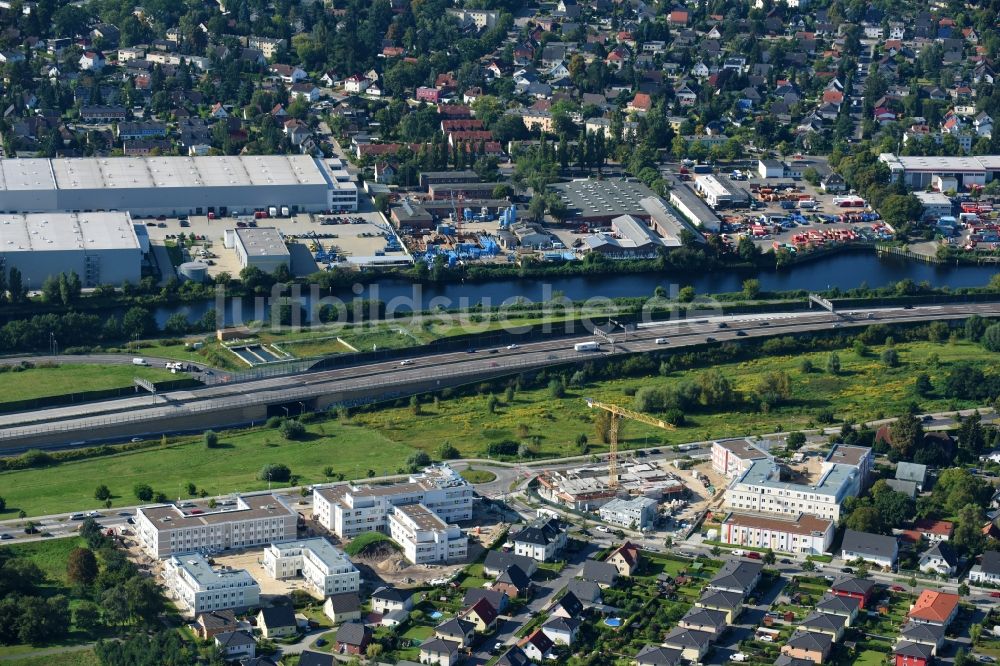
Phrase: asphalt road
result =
(75, 423)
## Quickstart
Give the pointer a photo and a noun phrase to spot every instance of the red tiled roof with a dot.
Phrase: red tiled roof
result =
(934, 606)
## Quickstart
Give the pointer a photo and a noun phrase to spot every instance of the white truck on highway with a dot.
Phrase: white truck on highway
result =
(587, 346)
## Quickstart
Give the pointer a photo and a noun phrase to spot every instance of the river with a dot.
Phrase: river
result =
(844, 271)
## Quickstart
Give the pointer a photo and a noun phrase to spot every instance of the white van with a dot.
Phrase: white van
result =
(139, 361)
(661, 341)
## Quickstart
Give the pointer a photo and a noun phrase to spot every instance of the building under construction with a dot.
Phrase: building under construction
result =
(586, 488)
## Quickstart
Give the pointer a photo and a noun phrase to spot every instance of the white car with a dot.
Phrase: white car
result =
(406, 362)
(739, 656)
(661, 341)
(602, 528)
(512, 346)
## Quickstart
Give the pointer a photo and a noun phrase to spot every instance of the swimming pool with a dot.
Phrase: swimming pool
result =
(613, 621)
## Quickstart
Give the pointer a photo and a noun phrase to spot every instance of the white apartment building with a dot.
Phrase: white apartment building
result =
(633, 513)
(348, 511)
(805, 534)
(760, 489)
(199, 588)
(166, 529)
(326, 569)
(424, 536)
(732, 457)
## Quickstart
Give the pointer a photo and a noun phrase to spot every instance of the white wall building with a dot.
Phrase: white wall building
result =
(732, 457)
(805, 534)
(199, 588)
(101, 248)
(326, 569)
(262, 247)
(252, 520)
(540, 540)
(719, 192)
(633, 513)
(348, 511)
(424, 536)
(760, 489)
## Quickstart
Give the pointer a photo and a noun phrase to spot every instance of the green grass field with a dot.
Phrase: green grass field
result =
(366, 540)
(44, 382)
(477, 475)
(50, 556)
(381, 440)
(231, 467)
(76, 657)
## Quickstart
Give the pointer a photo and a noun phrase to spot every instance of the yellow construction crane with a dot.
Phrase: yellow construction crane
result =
(616, 414)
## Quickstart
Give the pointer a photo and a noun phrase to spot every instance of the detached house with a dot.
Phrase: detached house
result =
(933, 607)
(540, 540)
(940, 559)
(988, 569)
(808, 645)
(860, 589)
(874, 548)
(92, 61)
(625, 558)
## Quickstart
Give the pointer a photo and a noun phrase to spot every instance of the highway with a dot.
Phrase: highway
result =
(139, 415)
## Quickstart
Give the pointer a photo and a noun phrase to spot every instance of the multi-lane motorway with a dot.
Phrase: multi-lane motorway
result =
(230, 404)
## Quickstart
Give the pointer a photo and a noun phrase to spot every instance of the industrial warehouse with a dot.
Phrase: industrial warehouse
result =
(101, 248)
(176, 185)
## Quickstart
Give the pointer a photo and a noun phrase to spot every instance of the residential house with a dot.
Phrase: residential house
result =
(861, 589)
(932, 635)
(496, 598)
(843, 605)
(703, 619)
(209, 624)
(730, 603)
(356, 84)
(306, 91)
(906, 653)
(343, 607)
(934, 530)
(440, 651)
(277, 621)
(457, 631)
(537, 646)
(235, 645)
(933, 607)
(562, 630)
(692, 644)
(513, 582)
(353, 638)
(808, 645)
(92, 61)
(310, 658)
(604, 574)
(515, 656)
(482, 614)
(497, 562)
(587, 591)
(833, 183)
(906, 471)
(541, 539)
(874, 548)
(940, 559)
(988, 569)
(657, 655)
(825, 623)
(625, 558)
(288, 73)
(387, 599)
(739, 576)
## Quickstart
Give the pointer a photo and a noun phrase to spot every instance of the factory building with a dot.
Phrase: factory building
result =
(192, 581)
(720, 192)
(262, 247)
(958, 172)
(630, 238)
(691, 205)
(601, 201)
(936, 205)
(101, 248)
(667, 223)
(176, 185)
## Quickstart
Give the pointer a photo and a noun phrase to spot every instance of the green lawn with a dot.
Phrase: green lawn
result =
(62, 379)
(366, 539)
(231, 467)
(50, 556)
(82, 657)
(478, 475)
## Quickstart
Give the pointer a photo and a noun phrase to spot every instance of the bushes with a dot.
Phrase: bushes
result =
(291, 429)
(211, 439)
(143, 492)
(275, 472)
(991, 338)
(505, 448)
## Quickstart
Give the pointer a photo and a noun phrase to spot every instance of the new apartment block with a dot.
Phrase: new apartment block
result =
(192, 581)
(805, 534)
(326, 569)
(250, 520)
(732, 457)
(424, 536)
(767, 487)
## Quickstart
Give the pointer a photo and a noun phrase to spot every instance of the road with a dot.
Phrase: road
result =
(147, 415)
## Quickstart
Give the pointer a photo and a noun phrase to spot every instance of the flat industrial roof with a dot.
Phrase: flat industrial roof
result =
(946, 164)
(51, 232)
(169, 516)
(603, 197)
(262, 242)
(74, 173)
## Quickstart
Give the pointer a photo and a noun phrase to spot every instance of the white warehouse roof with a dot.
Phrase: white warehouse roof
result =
(41, 232)
(139, 172)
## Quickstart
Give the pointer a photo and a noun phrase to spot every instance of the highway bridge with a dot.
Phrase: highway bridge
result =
(252, 402)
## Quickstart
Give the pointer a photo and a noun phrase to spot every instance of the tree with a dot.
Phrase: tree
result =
(143, 492)
(448, 452)
(795, 440)
(191, 489)
(211, 439)
(922, 385)
(278, 472)
(904, 434)
(3, 504)
(415, 405)
(492, 403)
(991, 338)
(292, 429)
(138, 323)
(864, 519)
(102, 493)
(81, 566)
(975, 326)
(833, 363)
(751, 288)
(890, 357)
(769, 557)
(87, 617)
(968, 536)
(557, 389)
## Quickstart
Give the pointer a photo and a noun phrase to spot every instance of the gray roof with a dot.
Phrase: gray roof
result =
(823, 621)
(498, 561)
(785, 660)
(705, 617)
(513, 575)
(494, 597)
(657, 655)
(910, 649)
(908, 488)
(455, 627)
(585, 590)
(566, 624)
(352, 633)
(838, 605)
(810, 640)
(921, 632)
(907, 471)
(737, 575)
(391, 594)
(721, 599)
(852, 584)
(873, 545)
(541, 532)
(346, 602)
(514, 657)
(234, 639)
(943, 550)
(434, 644)
(279, 616)
(990, 562)
(570, 603)
(599, 572)
(310, 658)
(687, 638)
